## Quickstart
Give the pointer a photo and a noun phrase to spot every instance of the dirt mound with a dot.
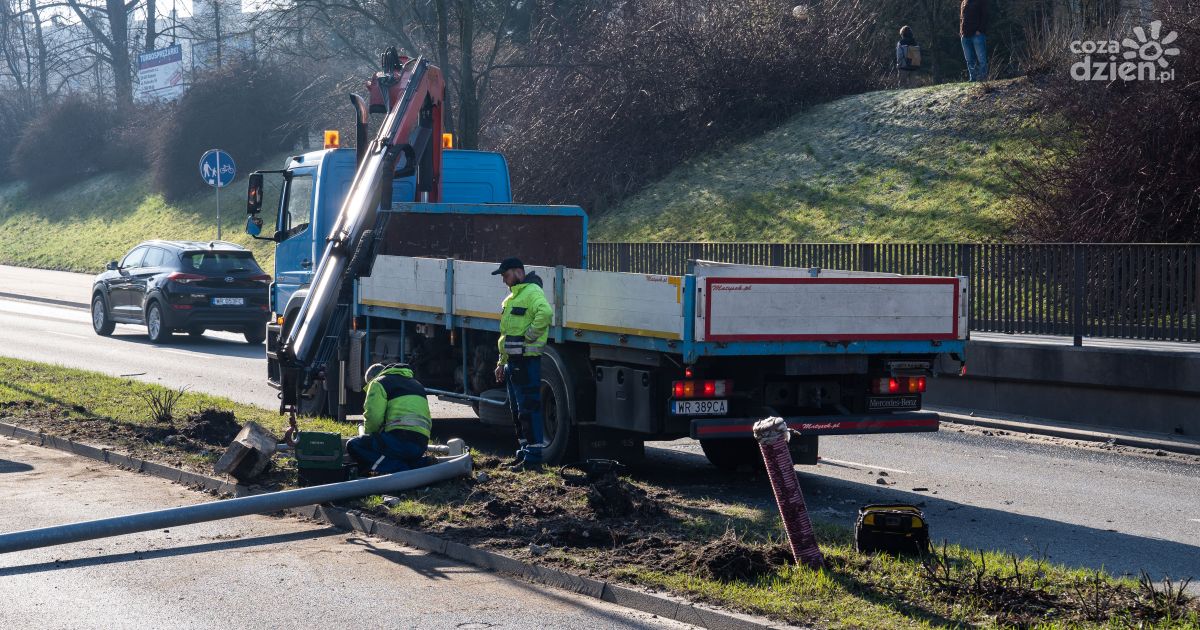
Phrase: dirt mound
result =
(211, 426)
(729, 558)
(612, 497)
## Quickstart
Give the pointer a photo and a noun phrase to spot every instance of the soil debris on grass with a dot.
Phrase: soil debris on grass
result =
(212, 426)
(730, 558)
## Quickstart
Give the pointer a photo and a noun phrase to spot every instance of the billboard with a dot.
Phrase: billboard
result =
(160, 74)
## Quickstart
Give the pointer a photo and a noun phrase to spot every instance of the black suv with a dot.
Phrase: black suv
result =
(183, 285)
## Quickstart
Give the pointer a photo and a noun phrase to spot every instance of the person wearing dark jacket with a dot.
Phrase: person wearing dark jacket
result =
(908, 56)
(972, 24)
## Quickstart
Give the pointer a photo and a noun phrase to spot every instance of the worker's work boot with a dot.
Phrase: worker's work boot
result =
(517, 457)
(526, 466)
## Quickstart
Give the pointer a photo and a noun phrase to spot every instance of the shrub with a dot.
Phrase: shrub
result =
(251, 111)
(1124, 164)
(14, 117)
(64, 144)
(620, 97)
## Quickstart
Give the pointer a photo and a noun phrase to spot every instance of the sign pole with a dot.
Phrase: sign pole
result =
(218, 189)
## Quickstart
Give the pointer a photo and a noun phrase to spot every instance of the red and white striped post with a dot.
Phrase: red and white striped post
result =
(773, 435)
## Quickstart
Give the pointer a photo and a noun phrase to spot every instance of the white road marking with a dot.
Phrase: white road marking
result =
(1194, 520)
(1001, 456)
(194, 355)
(55, 332)
(846, 463)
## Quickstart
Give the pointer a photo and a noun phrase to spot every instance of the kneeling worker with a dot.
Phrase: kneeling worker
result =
(397, 422)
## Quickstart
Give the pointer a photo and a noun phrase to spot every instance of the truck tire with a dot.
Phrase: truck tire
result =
(558, 406)
(733, 454)
(100, 320)
(494, 415)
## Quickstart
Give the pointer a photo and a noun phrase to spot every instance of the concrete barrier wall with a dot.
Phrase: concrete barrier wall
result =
(1121, 388)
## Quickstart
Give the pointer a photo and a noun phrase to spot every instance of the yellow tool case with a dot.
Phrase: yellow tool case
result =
(894, 528)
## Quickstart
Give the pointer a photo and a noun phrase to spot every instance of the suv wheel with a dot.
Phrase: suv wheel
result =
(100, 321)
(156, 325)
(255, 334)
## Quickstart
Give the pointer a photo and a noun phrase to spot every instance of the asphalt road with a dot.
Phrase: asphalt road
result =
(250, 572)
(1123, 511)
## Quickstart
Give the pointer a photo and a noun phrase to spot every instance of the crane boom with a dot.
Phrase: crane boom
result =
(410, 92)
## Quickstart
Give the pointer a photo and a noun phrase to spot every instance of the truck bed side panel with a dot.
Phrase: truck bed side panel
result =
(624, 303)
(477, 293)
(417, 284)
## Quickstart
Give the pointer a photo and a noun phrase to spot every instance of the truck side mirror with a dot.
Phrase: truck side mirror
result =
(254, 196)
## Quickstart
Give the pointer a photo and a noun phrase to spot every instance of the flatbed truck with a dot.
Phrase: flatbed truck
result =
(632, 357)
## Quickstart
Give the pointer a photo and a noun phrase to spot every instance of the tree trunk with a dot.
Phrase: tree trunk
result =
(42, 54)
(443, 53)
(118, 22)
(151, 25)
(468, 107)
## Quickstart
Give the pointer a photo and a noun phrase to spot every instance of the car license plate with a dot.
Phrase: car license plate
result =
(894, 402)
(227, 301)
(700, 407)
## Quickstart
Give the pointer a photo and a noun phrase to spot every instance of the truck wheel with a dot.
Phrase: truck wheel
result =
(733, 454)
(558, 423)
(100, 321)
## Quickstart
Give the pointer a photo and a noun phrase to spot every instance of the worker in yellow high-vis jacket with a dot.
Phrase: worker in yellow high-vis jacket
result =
(397, 422)
(525, 318)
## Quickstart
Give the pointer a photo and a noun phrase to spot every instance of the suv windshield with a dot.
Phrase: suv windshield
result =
(219, 262)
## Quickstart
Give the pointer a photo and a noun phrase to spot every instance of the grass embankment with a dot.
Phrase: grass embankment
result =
(917, 165)
(96, 408)
(702, 542)
(82, 227)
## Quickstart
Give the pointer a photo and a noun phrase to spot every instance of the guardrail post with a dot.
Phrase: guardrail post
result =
(866, 257)
(623, 256)
(966, 254)
(1079, 292)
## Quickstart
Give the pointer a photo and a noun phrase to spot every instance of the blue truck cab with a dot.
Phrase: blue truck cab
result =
(310, 190)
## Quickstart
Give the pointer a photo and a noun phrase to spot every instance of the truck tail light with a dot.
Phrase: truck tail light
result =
(900, 385)
(186, 278)
(702, 389)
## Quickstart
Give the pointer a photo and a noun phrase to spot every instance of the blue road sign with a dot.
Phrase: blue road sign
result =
(217, 168)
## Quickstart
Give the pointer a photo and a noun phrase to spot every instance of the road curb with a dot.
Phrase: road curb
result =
(670, 607)
(1062, 430)
(45, 300)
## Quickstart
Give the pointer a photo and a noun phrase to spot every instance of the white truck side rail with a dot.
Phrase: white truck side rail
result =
(720, 309)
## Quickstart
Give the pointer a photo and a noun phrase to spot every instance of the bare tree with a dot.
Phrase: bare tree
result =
(109, 25)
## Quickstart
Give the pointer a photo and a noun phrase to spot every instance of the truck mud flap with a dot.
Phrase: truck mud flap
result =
(916, 422)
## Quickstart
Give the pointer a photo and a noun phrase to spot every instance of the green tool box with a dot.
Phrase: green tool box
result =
(320, 458)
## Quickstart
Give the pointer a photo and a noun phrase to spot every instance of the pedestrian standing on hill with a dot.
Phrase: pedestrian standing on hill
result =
(972, 24)
(908, 57)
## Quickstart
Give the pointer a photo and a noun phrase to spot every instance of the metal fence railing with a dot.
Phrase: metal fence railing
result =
(1124, 291)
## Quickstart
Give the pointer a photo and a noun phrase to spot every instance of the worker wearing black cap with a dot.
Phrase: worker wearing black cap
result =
(525, 317)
